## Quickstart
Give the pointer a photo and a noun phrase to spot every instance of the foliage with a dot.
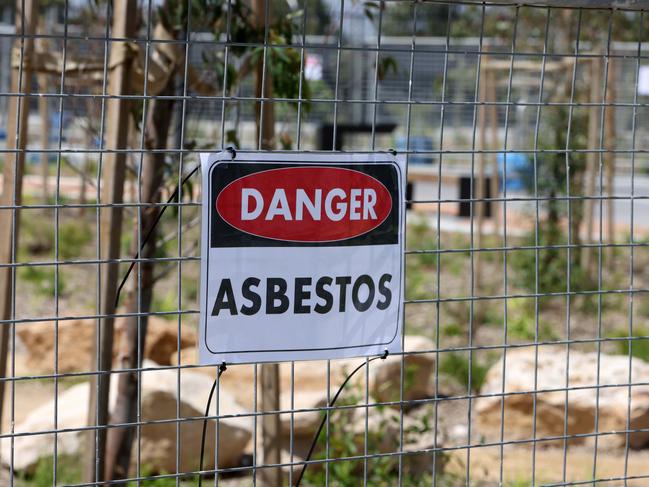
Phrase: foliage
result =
(552, 265)
(68, 472)
(422, 237)
(456, 366)
(521, 321)
(166, 304)
(431, 20)
(498, 22)
(345, 441)
(73, 237)
(42, 278)
(639, 342)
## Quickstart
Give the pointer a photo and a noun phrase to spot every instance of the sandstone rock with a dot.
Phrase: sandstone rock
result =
(158, 441)
(309, 390)
(385, 375)
(162, 339)
(159, 399)
(76, 343)
(582, 402)
(310, 382)
(28, 450)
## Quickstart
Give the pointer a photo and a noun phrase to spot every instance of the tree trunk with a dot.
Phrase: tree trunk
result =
(43, 110)
(591, 163)
(17, 134)
(609, 158)
(131, 347)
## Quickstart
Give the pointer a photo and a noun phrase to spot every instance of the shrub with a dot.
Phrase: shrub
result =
(68, 471)
(456, 366)
(42, 278)
(344, 442)
(639, 343)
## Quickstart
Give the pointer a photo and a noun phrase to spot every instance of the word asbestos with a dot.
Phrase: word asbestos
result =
(363, 292)
(302, 256)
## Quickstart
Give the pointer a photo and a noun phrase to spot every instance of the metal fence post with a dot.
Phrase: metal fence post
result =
(17, 131)
(114, 169)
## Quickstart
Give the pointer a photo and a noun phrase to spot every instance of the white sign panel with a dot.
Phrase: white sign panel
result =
(302, 256)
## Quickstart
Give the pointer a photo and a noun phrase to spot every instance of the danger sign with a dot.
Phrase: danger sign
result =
(302, 256)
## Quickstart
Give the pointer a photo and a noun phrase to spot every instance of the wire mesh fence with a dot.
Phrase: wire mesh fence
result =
(526, 332)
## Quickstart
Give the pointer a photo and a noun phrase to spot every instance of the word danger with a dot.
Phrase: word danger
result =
(361, 205)
(326, 294)
(305, 204)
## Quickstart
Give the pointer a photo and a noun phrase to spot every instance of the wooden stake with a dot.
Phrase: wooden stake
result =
(591, 165)
(609, 156)
(17, 133)
(270, 386)
(131, 346)
(44, 112)
(114, 168)
(493, 124)
(479, 192)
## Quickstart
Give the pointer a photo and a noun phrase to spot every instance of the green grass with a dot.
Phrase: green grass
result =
(42, 278)
(456, 366)
(166, 304)
(68, 471)
(422, 237)
(345, 442)
(73, 238)
(521, 322)
(639, 343)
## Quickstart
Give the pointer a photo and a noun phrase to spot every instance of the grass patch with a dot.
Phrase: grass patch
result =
(166, 304)
(456, 366)
(521, 321)
(422, 237)
(73, 238)
(346, 441)
(42, 279)
(639, 343)
(68, 471)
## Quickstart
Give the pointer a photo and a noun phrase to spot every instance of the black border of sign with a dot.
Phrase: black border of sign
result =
(308, 163)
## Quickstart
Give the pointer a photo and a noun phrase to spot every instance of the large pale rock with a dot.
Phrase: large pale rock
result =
(582, 402)
(385, 375)
(309, 380)
(309, 388)
(28, 450)
(159, 398)
(76, 342)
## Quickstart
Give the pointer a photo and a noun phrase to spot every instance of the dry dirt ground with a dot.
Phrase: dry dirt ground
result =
(517, 466)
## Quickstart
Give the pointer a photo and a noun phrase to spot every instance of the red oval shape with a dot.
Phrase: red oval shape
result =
(305, 204)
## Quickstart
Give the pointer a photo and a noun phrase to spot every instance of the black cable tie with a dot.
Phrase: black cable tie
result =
(392, 151)
(222, 368)
(232, 151)
(385, 354)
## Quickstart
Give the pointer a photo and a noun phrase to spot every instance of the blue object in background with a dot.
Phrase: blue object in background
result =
(519, 170)
(55, 124)
(417, 143)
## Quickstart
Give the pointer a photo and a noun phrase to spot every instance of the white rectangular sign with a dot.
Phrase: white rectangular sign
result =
(301, 257)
